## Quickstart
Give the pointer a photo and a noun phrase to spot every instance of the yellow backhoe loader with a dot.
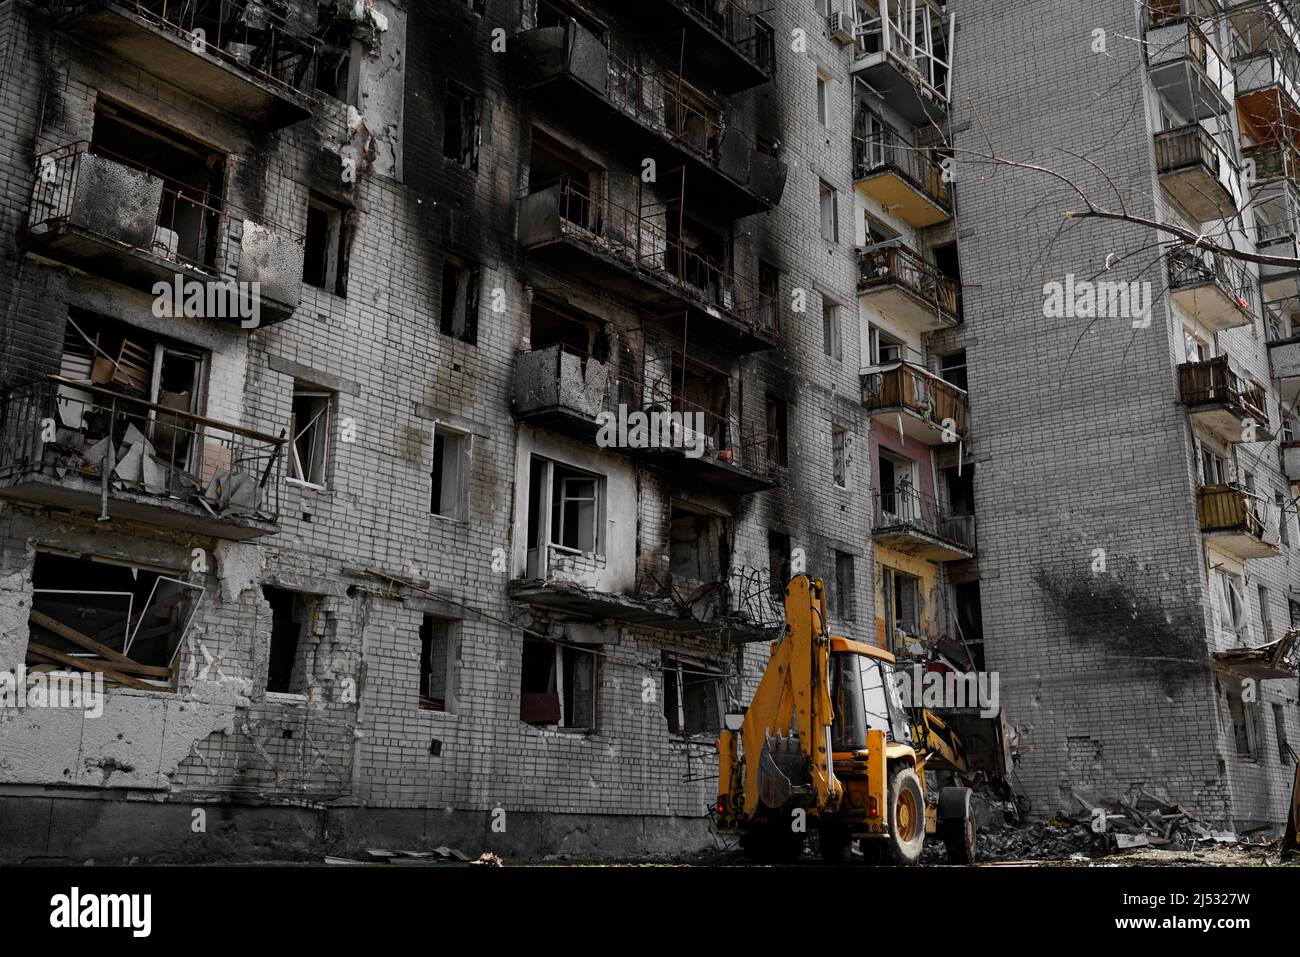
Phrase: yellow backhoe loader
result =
(828, 745)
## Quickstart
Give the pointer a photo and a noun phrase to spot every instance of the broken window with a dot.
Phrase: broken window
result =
(462, 131)
(700, 390)
(883, 347)
(558, 685)
(698, 256)
(691, 116)
(294, 620)
(336, 74)
(1265, 615)
(1232, 606)
(1283, 745)
(579, 179)
(189, 226)
(698, 550)
(844, 586)
(437, 663)
(828, 204)
(777, 446)
(460, 287)
(839, 455)
(902, 593)
(125, 622)
(325, 253)
(831, 344)
(769, 295)
(1214, 468)
(565, 509)
(449, 492)
(1245, 724)
(1283, 518)
(309, 424)
(693, 696)
(952, 367)
(551, 322)
(778, 563)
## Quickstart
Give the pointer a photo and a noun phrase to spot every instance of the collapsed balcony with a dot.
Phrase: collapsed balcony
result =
(1197, 173)
(238, 55)
(903, 285)
(632, 254)
(1186, 67)
(916, 524)
(1228, 404)
(902, 49)
(726, 42)
(901, 178)
(1277, 660)
(571, 70)
(924, 406)
(1216, 290)
(76, 445)
(1239, 522)
(113, 218)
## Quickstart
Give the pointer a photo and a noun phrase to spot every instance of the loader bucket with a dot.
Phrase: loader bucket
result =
(986, 741)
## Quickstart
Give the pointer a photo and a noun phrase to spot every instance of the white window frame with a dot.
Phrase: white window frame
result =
(677, 666)
(463, 469)
(295, 464)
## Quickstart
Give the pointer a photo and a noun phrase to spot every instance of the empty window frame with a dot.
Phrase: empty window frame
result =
(832, 344)
(902, 594)
(462, 126)
(778, 562)
(449, 477)
(882, 347)
(839, 456)
(693, 696)
(337, 60)
(1214, 468)
(769, 295)
(460, 291)
(437, 662)
(558, 685)
(823, 99)
(294, 620)
(1284, 753)
(777, 437)
(309, 425)
(1283, 517)
(1232, 606)
(953, 368)
(698, 548)
(325, 252)
(828, 204)
(844, 586)
(1245, 724)
(1265, 615)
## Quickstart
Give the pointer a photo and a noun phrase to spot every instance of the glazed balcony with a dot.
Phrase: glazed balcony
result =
(1267, 98)
(1218, 291)
(902, 178)
(916, 524)
(572, 71)
(123, 458)
(1237, 521)
(899, 283)
(907, 66)
(112, 218)
(922, 405)
(631, 254)
(237, 55)
(1223, 401)
(1187, 69)
(727, 45)
(1198, 173)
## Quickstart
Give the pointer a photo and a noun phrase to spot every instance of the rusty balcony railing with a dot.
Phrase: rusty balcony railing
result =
(883, 265)
(1215, 381)
(60, 427)
(908, 387)
(185, 231)
(717, 438)
(1189, 268)
(734, 22)
(907, 507)
(886, 150)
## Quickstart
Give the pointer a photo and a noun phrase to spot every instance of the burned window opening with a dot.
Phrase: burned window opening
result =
(693, 696)
(125, 622)
(460, 291)
(582, 181)
(437, 662)
(462, 129)
(699, 390)
(336, 75)
(778, 563)
(844, 586)
(558, 685)
(777, 444)
(699, 551)
(326, 249)
(839, 456)
(553, 323)
(295, 620)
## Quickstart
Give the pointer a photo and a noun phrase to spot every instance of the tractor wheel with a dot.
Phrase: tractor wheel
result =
(906, 818)
(957, 825)
(835, 844)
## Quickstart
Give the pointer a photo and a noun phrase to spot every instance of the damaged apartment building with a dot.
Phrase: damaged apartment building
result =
(361, 534)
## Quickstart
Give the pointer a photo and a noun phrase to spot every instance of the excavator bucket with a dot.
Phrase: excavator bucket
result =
(782, 771)
(985, 741)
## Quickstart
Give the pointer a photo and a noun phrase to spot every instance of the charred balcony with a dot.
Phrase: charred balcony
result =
(1197, 172)
(903, 285)
(924, 406)
(1237, 521)
(727, 45)
(116, 219)
(572, 71)
(79, 446)
(1216, 290)
(238, 55)
(707, 446)
(1224, 401)
(633, 255)
(916, 524)
(563, 389)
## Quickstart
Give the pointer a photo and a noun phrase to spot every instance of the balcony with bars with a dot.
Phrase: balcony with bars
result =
(708, 447)
(1187, 68)
(572, 71)
(901, 284)
(1218, 291)
(916, 524)
(113, 218)
(728, 44)
(241, 56)
(1238, 521)
(631, 253)
(85, 448)
(923, 406)
(902, 50)
(1224, 401)
(900, 177)
(1197, 172)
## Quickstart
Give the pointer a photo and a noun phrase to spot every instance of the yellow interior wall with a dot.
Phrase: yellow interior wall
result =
(926, 571)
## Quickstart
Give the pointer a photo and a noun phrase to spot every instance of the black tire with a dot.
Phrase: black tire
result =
(835, 844)
(959, 839)
(906, 837)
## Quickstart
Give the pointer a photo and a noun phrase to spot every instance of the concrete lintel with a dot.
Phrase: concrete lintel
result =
(325, 380)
